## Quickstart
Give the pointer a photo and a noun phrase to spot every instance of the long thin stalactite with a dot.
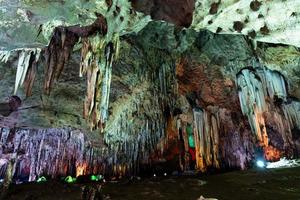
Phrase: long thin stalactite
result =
(61, 46)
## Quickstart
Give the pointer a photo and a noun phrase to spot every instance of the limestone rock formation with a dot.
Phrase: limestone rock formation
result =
(135, 93)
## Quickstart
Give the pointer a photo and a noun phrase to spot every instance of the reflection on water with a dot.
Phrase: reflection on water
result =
(252, 184)
(256, 184)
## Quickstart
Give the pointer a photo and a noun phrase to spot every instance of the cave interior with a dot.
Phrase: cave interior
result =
(149, 99)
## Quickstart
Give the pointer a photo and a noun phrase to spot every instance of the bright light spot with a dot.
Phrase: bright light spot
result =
(284, 163)
(154, 175)
(41, 179)
(70, 179)
(80, 169)
(260, 163)
(165, 174)
(94, 178)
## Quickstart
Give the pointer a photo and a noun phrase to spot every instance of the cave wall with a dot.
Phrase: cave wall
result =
(245, 112)
(50, 152)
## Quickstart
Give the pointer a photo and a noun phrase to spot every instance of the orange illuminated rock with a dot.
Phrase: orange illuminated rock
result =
(271, 153)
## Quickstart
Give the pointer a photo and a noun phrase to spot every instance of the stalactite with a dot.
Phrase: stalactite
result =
(57, 54)
(199, 139)
(132, 145)
(141, 124)
(276, 85)
(115, 19)
(26, 68)
(292, 113)
(252, 101)
(251, 92)
(235, 141)
(214, 132)
(4, 55)
(278, 116)
(97, 59)
(61, 46)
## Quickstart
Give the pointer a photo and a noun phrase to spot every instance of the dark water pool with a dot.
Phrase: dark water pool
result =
(281, 184)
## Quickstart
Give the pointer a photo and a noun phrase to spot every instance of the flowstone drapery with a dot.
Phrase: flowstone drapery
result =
(253, 103)
(206, 134)
(265, 101)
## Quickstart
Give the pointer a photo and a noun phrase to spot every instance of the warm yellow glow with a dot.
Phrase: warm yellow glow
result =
(260, 128)
(81, 169)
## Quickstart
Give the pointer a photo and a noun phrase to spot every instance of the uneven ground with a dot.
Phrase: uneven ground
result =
(240, 185)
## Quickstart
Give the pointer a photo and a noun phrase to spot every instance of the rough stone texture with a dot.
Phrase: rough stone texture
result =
(47, 151)
(272, 22)
(286, 60)
(179, 12)
(64, 108)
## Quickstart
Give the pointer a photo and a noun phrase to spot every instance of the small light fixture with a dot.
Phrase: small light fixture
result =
(154, 175)
(41, 179)
(165, 174)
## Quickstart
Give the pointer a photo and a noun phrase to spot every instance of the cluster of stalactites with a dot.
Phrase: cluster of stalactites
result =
(135, 130)
(276, 85)
(206, 134)
(252, 98)
(97, 57)
(251, 92)
(254, 88)
(132, 147)
(26, 68)
(292, 113)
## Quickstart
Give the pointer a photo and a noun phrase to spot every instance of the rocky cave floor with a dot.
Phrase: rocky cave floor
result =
(242, 185)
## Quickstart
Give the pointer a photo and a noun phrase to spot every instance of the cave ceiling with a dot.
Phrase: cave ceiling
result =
(224, 35)
(271, 21)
